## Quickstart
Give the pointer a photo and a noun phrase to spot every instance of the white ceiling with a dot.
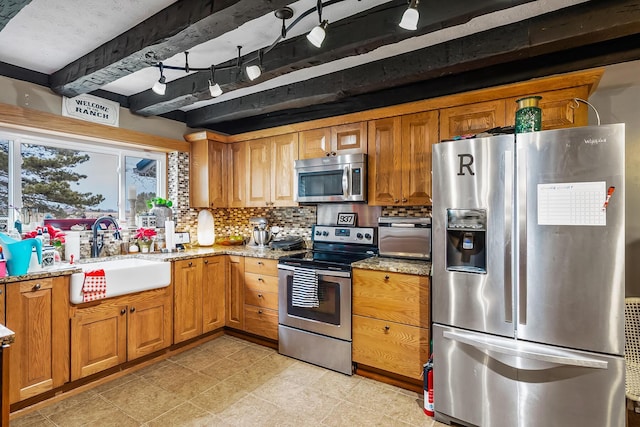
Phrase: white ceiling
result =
(47, 35)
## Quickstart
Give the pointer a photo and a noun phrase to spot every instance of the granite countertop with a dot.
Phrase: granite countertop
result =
(7, 336)
(408, 266)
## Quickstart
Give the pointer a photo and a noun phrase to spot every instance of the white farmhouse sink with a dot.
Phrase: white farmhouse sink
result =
(124, 276)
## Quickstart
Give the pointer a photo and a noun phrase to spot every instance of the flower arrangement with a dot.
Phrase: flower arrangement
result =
(145, 234)
(159, 201)
(56, 235)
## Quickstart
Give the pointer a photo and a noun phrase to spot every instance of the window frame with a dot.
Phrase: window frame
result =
(121, 150)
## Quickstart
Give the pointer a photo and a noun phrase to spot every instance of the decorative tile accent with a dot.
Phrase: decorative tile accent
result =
(407, 211)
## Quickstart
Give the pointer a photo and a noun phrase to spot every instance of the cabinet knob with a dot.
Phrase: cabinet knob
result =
(260, 263)
(123, 311)
(260, 279)
(259, 311)
(395, 200)
(37, 287)
(190, 264)
(386, 277)
(327, 154)
(404, 200)
(132, 309)
(206, 261)
(386, 328)
(259, 295)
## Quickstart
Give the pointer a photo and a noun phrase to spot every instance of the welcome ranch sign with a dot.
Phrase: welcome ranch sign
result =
(92, 109)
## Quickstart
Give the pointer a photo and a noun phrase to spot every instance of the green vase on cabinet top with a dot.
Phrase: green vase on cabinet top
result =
(528, 115)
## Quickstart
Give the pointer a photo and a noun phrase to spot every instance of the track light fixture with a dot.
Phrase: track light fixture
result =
(254, 71)
(284, 13)
(317, 34)
(214, 88)
(160, 86)
(410, 16)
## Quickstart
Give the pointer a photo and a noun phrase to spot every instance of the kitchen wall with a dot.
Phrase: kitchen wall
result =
(620, 103)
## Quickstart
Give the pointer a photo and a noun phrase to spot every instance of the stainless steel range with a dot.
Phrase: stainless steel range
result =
(315, 296)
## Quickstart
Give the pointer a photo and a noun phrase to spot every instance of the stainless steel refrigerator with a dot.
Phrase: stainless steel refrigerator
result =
(528, 279)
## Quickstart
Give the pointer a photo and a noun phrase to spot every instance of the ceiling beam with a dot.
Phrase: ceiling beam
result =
(9, 9)
(584, 24)
(173, 30)
(354, 35)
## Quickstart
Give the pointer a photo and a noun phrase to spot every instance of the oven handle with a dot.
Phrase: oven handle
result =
(318, 272)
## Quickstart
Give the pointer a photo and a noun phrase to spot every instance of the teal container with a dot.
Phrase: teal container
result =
(528, 115)
(18, 253)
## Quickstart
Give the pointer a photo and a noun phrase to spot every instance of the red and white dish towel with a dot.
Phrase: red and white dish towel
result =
(94, 286)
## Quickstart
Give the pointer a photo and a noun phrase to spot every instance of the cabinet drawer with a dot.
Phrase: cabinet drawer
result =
(261, 321)
(261, 265)
(390, 346)
(35, 285)
(261, 282)
(261, 298)
(396, 297)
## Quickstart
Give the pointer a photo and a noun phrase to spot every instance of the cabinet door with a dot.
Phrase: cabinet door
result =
(258, 172)
(98, 339)
(396, 297)
(284, 152)
(559, 110)
(419, 132)
(385, 160)
(213, 290)
(234, 297)
(237, 182)
(39, 357)
(315, 143)
(187, 299)
(149, 325)
(471, 118)
(392, 347)
(207, 171)
(350, 138)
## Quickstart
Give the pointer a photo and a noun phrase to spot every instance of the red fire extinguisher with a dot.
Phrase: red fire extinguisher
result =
(428, 387)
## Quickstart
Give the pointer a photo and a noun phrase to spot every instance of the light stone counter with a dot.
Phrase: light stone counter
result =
(7, 336)
(408, 266)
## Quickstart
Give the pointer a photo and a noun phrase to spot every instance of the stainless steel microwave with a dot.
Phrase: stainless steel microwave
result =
(331, 179)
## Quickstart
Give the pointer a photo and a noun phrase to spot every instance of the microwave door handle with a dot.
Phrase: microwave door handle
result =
(345, 181)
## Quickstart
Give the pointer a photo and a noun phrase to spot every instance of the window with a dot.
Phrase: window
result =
(54, 178)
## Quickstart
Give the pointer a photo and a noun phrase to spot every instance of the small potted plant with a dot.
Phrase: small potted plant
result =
(161, 208)
(144, 238)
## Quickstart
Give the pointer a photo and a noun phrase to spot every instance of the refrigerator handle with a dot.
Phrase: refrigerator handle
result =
(508, 224)
(511, 349)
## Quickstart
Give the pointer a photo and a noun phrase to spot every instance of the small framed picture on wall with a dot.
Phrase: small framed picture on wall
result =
(348, 219)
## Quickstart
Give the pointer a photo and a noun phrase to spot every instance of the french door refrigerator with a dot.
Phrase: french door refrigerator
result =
(528, 279)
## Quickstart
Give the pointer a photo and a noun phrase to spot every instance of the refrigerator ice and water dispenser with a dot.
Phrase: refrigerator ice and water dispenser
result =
(466, 240)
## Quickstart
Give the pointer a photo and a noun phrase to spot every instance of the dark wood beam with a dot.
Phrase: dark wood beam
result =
(542, 35)
(9, 9)
(175, 29)
(351, 36)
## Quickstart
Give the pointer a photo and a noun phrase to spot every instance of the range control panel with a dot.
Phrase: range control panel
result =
(330, 234)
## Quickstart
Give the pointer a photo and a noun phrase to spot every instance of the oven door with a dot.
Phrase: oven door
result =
(332, 317)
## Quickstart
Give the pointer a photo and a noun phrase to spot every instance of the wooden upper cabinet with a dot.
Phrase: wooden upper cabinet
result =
(332, 141)
(237, 175)
(400, 159)
(559, 108)
(471, 118)
(270, 171)
(284, 152)
(208, 176)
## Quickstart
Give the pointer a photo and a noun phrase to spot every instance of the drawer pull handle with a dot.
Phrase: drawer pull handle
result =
(404, 200)
(386, 277)
(260, 263)
(123, 311)
(132, 309)
(386, 328)
(37, 287)
(260, 279)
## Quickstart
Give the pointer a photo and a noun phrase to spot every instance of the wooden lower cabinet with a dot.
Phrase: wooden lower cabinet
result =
(213, 292)
(119, 330)
(234, 292)
(391, 321)
(36, 310)
(261, 297)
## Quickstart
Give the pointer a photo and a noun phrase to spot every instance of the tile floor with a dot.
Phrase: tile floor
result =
(232, 382)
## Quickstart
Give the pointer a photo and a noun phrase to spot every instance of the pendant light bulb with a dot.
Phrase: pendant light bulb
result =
(410, 17)
(253, 72)
(160, 86)
(317, 34)
(214, 89)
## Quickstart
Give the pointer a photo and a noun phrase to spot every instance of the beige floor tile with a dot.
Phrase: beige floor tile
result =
(371, 395)
(248, 356)
(187, 386)
(142, 400)
(196, 359)
(298, 399)
(164, 370)
(336, 384)
(118, 382)
(185, 415)
(302, 373)
(218, 398)
(409, 409)
(92, 412)
(34, 419)
(249, 411)
(349, 414)
(223, 346)
(69, 403)
(222, 369)
(249, 379)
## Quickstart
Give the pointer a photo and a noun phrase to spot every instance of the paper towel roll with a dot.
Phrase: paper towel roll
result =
(169, 231)
(72, 245)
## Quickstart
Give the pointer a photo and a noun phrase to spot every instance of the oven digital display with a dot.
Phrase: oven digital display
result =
(343, 232)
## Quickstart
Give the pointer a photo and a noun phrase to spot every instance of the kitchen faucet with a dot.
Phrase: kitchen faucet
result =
(95, 246)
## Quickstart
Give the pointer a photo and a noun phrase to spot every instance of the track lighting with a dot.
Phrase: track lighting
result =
(316, 36)
(214, 88)
(254, 71)
(410, 17)
(160, 86)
